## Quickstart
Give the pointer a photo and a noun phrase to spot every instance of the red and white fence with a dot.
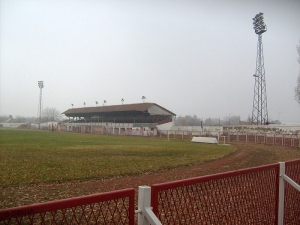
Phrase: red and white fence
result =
(291, 140)
(241, 197)
(262, 195)
(115, 207)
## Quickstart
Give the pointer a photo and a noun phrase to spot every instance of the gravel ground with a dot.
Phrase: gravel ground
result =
(245, 156)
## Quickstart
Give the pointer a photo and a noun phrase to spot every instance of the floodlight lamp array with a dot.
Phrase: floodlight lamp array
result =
(258, 23)
(41, 84)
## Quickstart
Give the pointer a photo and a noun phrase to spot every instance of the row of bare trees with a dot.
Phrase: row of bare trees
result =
(196, 121)
(227, 120)
(48, 115)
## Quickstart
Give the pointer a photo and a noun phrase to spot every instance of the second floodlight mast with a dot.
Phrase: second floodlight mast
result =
(260, 110)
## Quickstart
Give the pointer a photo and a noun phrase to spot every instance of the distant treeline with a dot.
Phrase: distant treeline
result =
(227, 120)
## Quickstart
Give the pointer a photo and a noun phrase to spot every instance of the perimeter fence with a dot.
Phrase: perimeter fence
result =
(249, 196)
(115, 207)
(289, 140)
(262, 195)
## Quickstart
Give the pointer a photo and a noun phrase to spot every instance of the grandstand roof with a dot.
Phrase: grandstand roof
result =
(118, 109)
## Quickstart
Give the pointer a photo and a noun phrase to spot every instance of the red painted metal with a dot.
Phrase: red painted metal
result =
(292, 196)
(115, 207)
(248, 196)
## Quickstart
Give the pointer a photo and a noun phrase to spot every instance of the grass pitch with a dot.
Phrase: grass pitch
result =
(33, 157)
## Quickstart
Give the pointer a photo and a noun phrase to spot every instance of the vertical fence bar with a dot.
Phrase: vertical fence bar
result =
(281, 193)
(145, 213)
(143, 201)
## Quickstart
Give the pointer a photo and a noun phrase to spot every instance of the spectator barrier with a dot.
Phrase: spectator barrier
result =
(115, 207)
(249, 196)
(290, 140)
(262, 195)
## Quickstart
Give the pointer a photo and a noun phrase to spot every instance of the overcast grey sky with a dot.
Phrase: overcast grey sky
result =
(191, 57)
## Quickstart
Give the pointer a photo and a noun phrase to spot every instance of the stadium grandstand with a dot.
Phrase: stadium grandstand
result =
(127, 119)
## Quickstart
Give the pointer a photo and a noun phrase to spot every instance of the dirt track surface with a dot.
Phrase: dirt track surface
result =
(246, 155)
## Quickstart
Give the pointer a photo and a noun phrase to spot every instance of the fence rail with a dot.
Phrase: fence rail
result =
(249, 196)
(115, 207)
(239, 197)
(291, 140)
(291, 194)
(267, 194)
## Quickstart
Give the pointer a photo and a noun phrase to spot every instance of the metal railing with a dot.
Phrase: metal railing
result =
(241, 197)
(115, 207)
(250, 196)
(262, 195)
(289, 193)
(291, 140)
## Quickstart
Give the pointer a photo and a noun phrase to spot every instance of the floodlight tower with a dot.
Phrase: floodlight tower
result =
(259, 110)
(41, 85)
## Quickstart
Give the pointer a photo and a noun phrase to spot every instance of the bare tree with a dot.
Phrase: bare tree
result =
(51, 114)
(235, 120)
(188, 121)
(297, 88)
(232, 120)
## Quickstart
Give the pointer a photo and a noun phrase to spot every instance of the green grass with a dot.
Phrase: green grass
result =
(28, 157)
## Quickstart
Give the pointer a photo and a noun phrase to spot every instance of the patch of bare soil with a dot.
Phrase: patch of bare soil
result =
(247, 155)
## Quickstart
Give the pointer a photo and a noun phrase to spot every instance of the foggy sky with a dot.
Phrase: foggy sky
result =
(191, 57)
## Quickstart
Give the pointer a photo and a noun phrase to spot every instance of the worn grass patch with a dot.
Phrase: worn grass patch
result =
(29, 157)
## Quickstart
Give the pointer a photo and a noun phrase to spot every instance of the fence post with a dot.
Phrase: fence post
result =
(281, 193)
(145, 213)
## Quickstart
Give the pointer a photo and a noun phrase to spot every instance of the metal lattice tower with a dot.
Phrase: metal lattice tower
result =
(260, 110)
(41, 85)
